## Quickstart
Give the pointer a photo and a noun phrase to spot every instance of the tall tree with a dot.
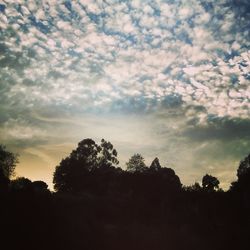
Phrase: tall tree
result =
(136, 164)
(74, 172)
(86, 153)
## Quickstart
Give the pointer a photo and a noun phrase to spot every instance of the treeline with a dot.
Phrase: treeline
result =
(97, 205)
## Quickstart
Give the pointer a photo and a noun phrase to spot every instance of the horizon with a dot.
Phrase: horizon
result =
(166, 79)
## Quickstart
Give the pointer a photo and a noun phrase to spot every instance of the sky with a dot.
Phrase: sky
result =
(163, 78)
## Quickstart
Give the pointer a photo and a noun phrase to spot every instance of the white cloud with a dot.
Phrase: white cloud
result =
(111, 52)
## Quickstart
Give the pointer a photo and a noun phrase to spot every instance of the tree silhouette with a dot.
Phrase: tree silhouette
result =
(75, 171)
(170, 180)
(136, 164)
(107, 155)
(71, 171)
(156, 212)
(193, 188)
(244, 167)
(210, 183)
(155, 165)
(8, 162)
(40, 186)
(243, 174)
(21, 184)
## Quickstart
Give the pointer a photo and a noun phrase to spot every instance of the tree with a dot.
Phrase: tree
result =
(21, 184)
(243, 173)
(155, 165)
(210, 183)
(86, 153)
(75, 172)
(169, 178)
(107, 155)
(40, 186)
(244, 167)
(193, 188)
(8, 161)
(136, 164)
(71, 171)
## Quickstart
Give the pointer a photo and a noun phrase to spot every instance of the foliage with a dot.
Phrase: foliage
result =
(74, 172)
(244, 167)
(210, 183)
(155, 165)
(193, 188)
(169, 179)
(40, 186)
(130, 209)
(8, 161)
(21, 183)
(136, 164)
(243, 173)
(107, 155)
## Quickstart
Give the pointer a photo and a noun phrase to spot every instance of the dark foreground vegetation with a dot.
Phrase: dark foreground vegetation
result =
(97, 205)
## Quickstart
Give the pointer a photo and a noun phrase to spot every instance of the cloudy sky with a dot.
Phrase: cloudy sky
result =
(165, 78)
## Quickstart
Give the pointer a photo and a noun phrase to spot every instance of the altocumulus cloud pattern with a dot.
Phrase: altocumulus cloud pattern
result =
(127, 54)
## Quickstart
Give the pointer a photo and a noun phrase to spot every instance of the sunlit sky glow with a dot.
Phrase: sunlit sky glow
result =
(165, 78)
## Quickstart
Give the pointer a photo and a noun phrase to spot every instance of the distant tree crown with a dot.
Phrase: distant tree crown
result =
(210, 183)
(155, 165)
(136, 164)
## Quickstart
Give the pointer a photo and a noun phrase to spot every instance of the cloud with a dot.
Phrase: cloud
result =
(139, 58)
(216, 128)
(91, 42)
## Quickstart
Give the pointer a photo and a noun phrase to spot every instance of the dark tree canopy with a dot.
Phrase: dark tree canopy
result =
(155, 165)
(210, 183)
(73, 173)
(193, 188)
(8, 161)
(107, 155)
(39, 186)
(100, 206)
(243, 174)
(244, 167)
(136, 164)
(171, 180)
(86, 153)
(164, 176)
(21, 184)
